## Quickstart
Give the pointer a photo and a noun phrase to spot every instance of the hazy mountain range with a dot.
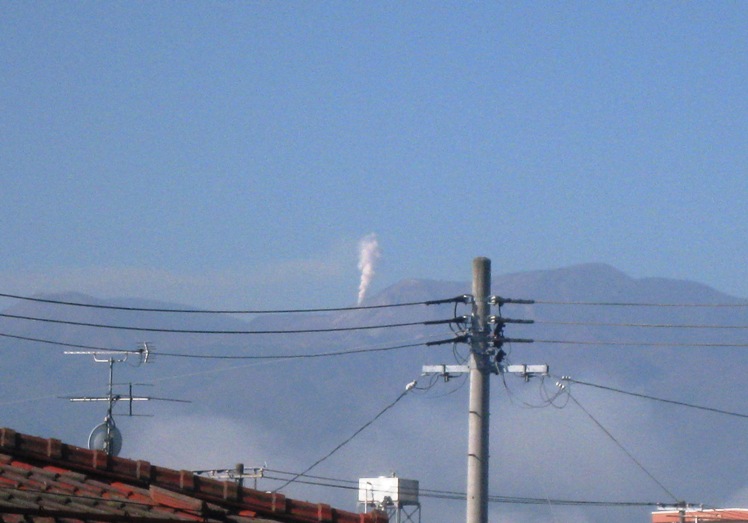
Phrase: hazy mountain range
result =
(288, 413)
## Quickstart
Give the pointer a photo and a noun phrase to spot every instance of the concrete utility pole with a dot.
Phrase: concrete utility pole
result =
(477, 465)
(485, 358)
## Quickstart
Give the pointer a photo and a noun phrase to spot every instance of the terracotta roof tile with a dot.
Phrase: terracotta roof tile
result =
(47, 481)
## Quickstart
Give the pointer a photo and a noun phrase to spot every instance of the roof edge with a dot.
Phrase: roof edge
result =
(95, 462)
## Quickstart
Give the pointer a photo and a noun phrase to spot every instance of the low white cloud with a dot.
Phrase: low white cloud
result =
(507, 513)
(738, 499)
(199, 442)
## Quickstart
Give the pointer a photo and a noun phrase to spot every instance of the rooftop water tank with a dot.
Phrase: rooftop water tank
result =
(384, 490)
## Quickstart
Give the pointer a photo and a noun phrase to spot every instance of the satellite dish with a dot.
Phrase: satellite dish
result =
(98, 438)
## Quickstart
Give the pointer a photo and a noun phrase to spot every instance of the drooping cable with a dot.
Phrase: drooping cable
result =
(640, 325)
(426, 493)
(640, 304)
(642, 344)
(61, 344)
(618, 443)
(360, 350)
(209, 331)
(293, 356)
(349, 439)
(279, 475)
(653, 398)
(210, 311)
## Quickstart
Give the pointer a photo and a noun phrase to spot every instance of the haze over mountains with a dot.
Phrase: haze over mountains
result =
(288, 413)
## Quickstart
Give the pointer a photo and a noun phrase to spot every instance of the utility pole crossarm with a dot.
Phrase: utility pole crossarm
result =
(502, 320)
(541, 370)
(498, 300)
(456, 339)
(527, 371)
(485, 335)
(445, 369)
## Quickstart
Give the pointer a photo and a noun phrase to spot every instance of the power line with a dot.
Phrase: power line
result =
(257, 360)
(293, 356)
(640, 325)
(185, 355)
(654, 398)
(455, 495)
(218, 311)
(643, 344)
(341, 445)
(208, 331)
(360, 307)
(618, 443)
(229, 357)
(639, 304)
(62, 344)
(426, 493)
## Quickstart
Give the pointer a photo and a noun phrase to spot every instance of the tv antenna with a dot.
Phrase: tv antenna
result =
(106, 436)
(238, 473)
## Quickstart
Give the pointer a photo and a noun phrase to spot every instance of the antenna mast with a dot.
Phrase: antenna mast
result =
(106, 436)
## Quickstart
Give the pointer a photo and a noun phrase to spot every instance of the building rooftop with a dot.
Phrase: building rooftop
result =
(723, 515)
(47, 481)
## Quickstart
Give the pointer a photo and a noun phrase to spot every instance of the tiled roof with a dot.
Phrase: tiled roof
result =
(47, 481)
(723, 515)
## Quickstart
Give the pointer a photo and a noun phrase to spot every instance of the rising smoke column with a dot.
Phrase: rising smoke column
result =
(368, 254)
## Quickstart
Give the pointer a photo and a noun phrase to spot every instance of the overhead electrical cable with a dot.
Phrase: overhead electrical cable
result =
(292, 356)
(434, 494)
(654, 398)
(61, 344)
(642, 344)
(357, 351)
(618, 443)
(351, 483)
(360, 350)
(209, 331)
(453, 495)
(348, 440)
(458, 299)
(640, 325)
(640, 304)
(220, 311)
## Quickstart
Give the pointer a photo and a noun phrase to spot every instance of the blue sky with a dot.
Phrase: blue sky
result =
(232, 154)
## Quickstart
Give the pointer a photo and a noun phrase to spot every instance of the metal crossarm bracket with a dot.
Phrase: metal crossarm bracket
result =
(446, 371)
(527, 371)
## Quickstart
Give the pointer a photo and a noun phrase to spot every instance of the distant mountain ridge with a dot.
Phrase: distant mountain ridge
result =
(306, 404)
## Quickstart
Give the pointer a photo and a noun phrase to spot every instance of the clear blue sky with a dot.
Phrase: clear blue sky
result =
(233, 154)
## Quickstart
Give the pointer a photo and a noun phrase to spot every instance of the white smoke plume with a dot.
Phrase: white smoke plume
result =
(368, 254)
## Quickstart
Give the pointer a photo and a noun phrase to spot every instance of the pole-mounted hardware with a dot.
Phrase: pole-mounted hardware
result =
(106, 436)
(465, 298)
(486, 357)
(238, 474)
